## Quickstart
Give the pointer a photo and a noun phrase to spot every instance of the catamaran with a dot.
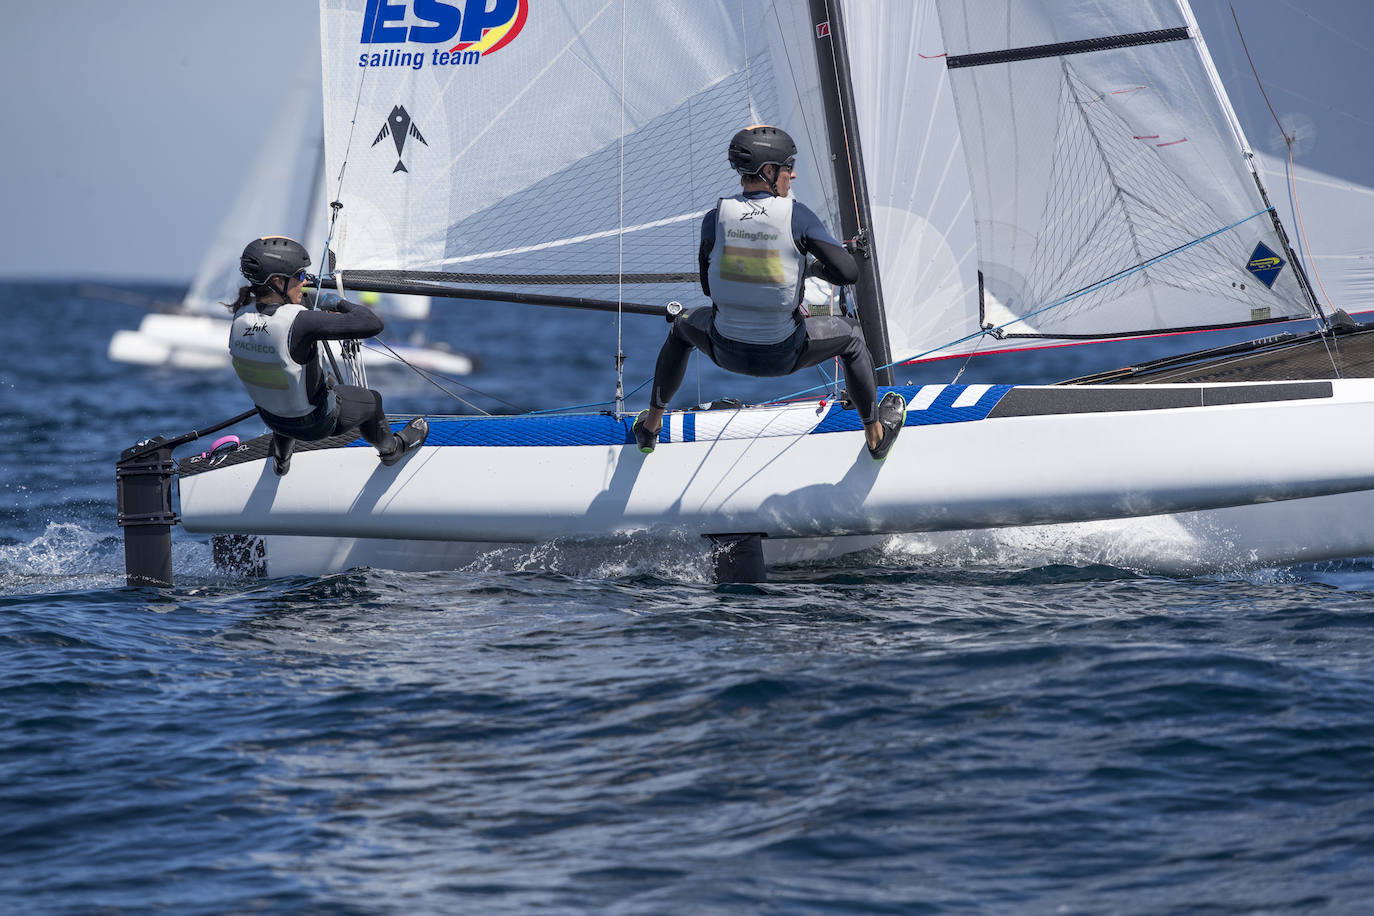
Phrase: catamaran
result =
(1015, 174)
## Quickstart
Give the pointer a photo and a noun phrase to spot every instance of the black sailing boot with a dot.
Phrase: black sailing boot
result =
(891, 416)
(410, 438)
(280, 450)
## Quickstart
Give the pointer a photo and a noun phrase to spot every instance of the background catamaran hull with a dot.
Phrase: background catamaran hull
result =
(180, 341)
(948, 473)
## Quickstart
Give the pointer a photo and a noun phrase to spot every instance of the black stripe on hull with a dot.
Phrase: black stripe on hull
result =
(1038, 402)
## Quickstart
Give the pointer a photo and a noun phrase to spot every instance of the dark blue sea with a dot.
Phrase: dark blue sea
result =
(601, 729)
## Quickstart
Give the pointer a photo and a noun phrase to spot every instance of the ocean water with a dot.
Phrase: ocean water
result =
(597, 728)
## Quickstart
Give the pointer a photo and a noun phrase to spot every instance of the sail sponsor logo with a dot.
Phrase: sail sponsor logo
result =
(480, 27)
(1264, 264)
(399, 127)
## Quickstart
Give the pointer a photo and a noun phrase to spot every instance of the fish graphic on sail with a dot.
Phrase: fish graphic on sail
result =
(398, 127)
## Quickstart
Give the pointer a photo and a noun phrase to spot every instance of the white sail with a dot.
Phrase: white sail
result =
(571, 147)
(276, 197)
(918, 186)
(1333, 225)
(1104, 158)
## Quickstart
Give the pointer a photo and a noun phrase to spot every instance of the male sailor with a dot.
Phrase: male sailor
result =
(753, 263)
(274, 344)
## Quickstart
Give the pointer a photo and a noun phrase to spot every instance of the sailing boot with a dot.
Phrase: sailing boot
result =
(411, 437)
(280, 450)
(891, 416)
(645, 439)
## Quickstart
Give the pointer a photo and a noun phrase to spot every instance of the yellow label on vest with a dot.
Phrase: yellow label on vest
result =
(752, 265)
(262, 374)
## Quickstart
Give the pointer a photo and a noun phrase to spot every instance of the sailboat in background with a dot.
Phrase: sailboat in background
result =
(283, 195)
(1057, 172)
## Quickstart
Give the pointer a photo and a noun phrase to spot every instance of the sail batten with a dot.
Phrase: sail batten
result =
(1063, 48)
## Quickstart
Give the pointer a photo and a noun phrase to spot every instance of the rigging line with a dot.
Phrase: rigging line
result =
(844, 126)
(431, 376)
(549, 410)
(620, 236)
(1292, 184)
(348, 148)
(748, 78)
(1092, 287)
(968, 360)
(1304, 247)
(1302, 231)
(816, 157)
(1246, 49)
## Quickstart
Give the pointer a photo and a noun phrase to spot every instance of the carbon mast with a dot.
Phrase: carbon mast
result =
(856, 216)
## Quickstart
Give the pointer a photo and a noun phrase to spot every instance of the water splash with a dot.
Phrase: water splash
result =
(670, 555)
(64, 556)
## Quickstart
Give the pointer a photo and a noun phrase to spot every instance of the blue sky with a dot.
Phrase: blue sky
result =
(130, 126)
(131, 123)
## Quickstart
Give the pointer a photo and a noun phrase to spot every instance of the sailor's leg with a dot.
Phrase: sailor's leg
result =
(828, 337)
(361, 408)
(691, 330)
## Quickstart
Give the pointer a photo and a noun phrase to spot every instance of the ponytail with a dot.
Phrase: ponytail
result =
(246, 295)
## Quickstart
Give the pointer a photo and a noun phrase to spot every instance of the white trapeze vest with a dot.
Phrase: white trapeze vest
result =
(260, 348)
(756, 270)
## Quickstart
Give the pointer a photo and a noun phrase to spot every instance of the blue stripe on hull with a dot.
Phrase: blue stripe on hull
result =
(602, 429)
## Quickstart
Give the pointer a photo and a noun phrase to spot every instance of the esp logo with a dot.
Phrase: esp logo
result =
(483, 25)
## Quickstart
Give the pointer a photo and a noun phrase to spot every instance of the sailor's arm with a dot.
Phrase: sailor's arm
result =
(833, 263)
(332, 319)
(708, 241)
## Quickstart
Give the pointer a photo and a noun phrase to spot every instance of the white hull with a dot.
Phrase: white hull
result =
(1230, 540)
(789, 473)
(201, 342)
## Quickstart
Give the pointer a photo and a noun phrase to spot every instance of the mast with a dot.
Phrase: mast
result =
(856, 218)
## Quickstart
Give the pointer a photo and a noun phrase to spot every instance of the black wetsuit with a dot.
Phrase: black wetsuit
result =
(355, 407)
(816, 339)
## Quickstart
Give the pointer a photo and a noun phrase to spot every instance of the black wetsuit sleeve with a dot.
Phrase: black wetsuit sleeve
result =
(708, 241)
(836, 264)
(340, 320)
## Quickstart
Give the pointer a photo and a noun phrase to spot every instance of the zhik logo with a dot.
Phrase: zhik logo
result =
(756, 209)
(399, 126)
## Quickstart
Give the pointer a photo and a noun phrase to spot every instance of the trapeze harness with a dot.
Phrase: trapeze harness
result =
(755, 270)
(259, 343)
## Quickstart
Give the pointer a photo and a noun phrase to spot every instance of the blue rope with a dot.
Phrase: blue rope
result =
(1069, 298)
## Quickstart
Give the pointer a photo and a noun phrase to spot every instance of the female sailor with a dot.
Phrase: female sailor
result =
(274, 345)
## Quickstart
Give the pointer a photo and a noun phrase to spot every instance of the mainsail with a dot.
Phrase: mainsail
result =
(576, 153)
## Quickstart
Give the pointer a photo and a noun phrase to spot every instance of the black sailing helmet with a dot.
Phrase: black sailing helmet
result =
(754, 147)
(274, 254)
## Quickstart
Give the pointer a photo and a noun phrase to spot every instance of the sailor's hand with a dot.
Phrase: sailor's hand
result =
(318, 299)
